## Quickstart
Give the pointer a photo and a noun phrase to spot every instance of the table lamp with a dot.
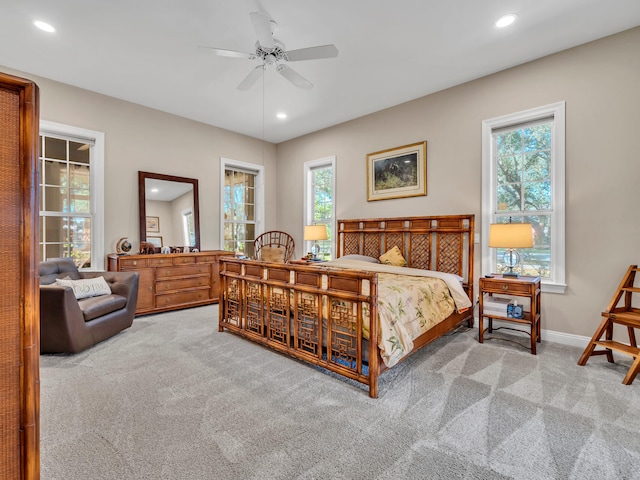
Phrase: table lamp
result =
(511, 236)
(315, 233)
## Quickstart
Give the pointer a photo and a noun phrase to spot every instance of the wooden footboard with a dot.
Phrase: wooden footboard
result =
(313, 313)
(316, 313)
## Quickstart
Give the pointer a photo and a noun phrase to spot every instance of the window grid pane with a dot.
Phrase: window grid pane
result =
(239, 211)
(65, 200)
(523, 192)
(322, 194)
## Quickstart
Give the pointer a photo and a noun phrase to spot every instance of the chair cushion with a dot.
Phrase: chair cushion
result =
(94, 307)
(272, 254)
(86, 287)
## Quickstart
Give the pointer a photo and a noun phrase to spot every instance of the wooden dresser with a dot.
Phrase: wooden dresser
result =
(172, 281)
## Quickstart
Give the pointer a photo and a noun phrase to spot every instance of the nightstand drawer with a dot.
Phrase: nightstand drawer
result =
(505, 287)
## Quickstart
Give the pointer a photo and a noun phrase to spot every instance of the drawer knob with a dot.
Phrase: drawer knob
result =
(161, 261)
(135, 262)
(505, 287)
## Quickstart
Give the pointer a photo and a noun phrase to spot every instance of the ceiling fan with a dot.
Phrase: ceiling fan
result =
(273, 52)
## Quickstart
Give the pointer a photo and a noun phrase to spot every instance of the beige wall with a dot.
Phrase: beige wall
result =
(140, 138)
(600, 83)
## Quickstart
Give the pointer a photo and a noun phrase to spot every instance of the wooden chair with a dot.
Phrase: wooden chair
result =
(626, 315)
(274, 246)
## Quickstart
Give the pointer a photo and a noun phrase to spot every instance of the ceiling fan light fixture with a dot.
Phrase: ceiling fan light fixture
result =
(274, 53)
(505, 20)
(44, 26)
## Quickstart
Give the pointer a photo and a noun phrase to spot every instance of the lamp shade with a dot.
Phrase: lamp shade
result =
(315, 232)
(510, 235)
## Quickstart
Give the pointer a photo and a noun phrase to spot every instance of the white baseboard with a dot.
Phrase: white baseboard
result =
(547, 335)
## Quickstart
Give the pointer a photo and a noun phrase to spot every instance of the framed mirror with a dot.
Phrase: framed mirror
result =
(169, 210)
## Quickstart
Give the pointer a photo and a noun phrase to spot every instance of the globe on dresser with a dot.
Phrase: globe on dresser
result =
(123, 246)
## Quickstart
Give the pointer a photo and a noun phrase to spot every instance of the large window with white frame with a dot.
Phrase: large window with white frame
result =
(71, 189)
(242, 205)
(523, 164)
(319, 204)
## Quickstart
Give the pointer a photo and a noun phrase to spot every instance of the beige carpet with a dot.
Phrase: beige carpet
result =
(171, 398)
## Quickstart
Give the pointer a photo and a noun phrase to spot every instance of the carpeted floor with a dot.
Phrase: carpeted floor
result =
(171, 398)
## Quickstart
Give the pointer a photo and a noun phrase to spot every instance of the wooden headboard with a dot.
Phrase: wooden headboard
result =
(443, 243)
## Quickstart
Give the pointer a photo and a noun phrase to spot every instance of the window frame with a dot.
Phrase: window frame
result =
(96, 182)
(308, 204)
(259, 170)
(557, 283)
(185, 214)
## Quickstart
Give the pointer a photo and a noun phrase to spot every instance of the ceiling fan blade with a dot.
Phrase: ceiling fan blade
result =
(312, 53)
(294, 77)
(250, 79)
(230, 53)
(262, 26)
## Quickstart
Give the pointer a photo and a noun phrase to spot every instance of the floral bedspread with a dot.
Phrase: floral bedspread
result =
(409, 304)
(407, 308)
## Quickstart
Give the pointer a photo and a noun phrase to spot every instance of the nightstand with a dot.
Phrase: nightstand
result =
(522, 286)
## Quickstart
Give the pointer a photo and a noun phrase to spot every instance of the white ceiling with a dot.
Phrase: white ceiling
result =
(146, 51)
(164, 190)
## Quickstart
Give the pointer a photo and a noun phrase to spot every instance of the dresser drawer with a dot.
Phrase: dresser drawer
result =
(505, 287)
(132, 263)
(192, 296)
(182, 271)
(160, 261)
(182, 283)
(184, 260)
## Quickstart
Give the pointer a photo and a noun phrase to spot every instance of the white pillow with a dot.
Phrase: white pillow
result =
(362, 258)
(86, 287)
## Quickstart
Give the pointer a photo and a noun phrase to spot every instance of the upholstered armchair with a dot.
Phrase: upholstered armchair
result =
(104, 307)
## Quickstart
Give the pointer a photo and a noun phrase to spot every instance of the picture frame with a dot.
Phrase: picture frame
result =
(155, 241)
(397, 172)
(153, 224)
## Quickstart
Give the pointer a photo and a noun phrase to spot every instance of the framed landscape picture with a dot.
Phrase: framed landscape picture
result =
(155, 241)
(397, 173)
(153, 224)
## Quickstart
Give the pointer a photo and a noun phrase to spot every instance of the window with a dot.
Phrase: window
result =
(523, 182)
(71, 173)
(319, 205)
(188, 227)
(242, 206)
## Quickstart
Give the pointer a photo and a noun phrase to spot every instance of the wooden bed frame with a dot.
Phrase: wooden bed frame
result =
(315, 313)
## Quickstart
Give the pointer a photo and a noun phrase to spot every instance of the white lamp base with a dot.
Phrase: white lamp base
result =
(511, 259)
(315, 250)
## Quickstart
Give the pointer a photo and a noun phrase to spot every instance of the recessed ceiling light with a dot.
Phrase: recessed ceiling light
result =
(281, 115)
(44, 26)
(505, 20)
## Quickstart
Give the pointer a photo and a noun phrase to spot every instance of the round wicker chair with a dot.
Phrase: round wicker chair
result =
(275, 241)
